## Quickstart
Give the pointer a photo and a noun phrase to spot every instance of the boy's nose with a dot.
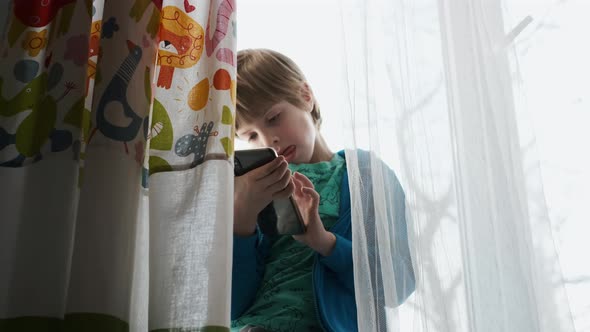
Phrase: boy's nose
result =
(272, 141)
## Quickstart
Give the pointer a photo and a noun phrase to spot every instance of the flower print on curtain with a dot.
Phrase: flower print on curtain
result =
(116, 140)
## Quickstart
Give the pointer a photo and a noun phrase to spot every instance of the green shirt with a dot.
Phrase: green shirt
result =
(285, 301)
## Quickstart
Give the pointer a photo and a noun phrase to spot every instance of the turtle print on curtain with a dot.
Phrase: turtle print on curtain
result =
(116, 147)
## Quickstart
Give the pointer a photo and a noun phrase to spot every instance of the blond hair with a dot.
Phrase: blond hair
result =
(266, 77)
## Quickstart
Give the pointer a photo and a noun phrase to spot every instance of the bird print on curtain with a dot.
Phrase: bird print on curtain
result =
(116, 92)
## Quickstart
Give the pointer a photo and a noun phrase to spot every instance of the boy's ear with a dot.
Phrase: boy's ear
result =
(307, 96)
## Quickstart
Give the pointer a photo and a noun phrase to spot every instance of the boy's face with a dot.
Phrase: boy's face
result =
(288, 129)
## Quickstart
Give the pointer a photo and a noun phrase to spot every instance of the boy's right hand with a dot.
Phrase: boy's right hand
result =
(256, 189)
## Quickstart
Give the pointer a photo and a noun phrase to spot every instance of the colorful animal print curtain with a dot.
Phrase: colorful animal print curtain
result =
(116, 147)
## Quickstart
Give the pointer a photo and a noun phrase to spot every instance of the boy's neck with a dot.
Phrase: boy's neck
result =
(321, 151)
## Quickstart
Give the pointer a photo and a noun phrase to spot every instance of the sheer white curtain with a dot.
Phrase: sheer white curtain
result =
(435, 89)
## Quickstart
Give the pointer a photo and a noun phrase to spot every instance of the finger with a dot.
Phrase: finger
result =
(311, 192)
(286, 192)
(277, 175)
(267, 169)
(306, 182)
(298, 191)
(298, 184)
(281, 183)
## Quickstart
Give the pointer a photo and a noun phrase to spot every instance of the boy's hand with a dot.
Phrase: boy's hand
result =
(256, 189)
(308, 201)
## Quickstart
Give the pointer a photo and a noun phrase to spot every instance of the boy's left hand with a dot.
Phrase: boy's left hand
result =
(308, 201)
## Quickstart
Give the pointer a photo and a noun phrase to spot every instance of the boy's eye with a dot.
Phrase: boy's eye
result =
(274, 118)
(252, 137)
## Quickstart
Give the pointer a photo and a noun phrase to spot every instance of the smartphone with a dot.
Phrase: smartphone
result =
(247, 160)
(281, 216)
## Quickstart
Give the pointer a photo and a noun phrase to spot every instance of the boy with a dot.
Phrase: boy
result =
(290, 283)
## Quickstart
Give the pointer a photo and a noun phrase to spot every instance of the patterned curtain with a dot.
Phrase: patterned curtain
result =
(116, 174)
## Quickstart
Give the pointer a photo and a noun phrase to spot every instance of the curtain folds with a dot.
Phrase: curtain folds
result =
(116, 139)
(431, 90)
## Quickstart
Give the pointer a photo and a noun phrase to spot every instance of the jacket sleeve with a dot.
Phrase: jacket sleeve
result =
(340, 261)
(395, 203)
(388, 201)
(247, 270)
(405, 281)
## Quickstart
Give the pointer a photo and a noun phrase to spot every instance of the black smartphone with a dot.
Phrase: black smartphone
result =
(281, 216)
(247, 160)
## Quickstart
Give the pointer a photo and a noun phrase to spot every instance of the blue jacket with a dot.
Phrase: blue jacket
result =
(332, 276)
